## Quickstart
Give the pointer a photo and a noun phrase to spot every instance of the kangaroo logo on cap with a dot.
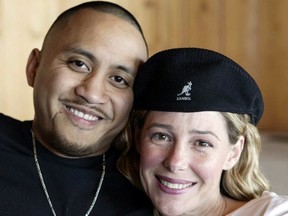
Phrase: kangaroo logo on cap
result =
(186, 90)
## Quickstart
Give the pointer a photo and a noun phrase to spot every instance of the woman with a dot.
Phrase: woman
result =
(195, 132)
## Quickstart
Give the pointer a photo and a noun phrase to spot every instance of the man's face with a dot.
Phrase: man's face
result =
(82, 82)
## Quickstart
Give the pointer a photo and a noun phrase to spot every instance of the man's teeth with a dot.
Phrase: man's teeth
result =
(175, 186)
(82, 115)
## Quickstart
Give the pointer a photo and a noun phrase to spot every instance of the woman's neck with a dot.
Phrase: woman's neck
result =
(221, 207)
(232, 205)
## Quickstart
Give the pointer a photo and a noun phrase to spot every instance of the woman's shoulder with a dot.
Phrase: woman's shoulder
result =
(269, 204)
(273, 196)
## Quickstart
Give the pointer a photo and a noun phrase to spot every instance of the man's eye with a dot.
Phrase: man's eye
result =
(79, 65)
(119, 81)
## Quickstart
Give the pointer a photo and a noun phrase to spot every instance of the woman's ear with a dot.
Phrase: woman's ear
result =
(234, 154)
(32, 66)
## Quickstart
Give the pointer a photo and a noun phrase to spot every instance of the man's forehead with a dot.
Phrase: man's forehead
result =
(84, 19)
(91, 16)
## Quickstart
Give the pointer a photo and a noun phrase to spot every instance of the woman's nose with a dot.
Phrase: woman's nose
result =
(177, 159)
(93, 89)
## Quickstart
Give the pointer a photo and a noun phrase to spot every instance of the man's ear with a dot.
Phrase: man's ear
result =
(234, 154)
(32, 66)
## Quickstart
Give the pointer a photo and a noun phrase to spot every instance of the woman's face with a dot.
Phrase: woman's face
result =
(182, 156)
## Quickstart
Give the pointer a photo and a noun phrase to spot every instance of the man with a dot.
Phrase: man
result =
(64, 161)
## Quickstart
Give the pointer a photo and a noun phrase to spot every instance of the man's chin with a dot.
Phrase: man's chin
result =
(73, 150)
(70, 145)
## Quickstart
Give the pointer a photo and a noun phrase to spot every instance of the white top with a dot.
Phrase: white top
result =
(269, 204)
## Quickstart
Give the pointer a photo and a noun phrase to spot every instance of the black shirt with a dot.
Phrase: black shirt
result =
(71, 183)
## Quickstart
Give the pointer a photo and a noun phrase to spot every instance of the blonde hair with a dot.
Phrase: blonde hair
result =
(243, 182)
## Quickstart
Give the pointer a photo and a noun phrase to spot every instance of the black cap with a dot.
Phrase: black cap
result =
(194, 80)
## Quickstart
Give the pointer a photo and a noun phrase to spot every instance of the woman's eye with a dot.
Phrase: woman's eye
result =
(201, 143)
(160, 138)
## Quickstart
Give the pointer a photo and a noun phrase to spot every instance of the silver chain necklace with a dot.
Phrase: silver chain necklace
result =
(45, 188)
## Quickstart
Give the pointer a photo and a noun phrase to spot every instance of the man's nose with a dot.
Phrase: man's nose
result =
(93, 89)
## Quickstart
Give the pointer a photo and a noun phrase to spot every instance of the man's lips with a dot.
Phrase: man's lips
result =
(86, 113)
(82, 115)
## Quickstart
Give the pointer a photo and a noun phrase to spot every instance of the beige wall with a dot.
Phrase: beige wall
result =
(252, 32)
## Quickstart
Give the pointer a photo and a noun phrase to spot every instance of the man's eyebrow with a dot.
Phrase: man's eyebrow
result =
(81, 52)
(92, 57)
(204, 132)
(126, 69)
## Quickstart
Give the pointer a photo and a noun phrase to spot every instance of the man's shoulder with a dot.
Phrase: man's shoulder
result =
(7, 123)
(11, 128)
(7, 120)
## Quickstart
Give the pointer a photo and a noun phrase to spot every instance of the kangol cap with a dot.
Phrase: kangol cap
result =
(194, 80)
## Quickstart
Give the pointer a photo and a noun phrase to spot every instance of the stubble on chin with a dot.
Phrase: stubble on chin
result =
(63, 146)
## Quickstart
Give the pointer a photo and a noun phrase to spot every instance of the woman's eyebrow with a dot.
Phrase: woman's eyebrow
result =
(204, 132)
(159, 125)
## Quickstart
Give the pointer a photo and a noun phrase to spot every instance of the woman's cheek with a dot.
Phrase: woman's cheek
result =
(209, 170)
(150, 158)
